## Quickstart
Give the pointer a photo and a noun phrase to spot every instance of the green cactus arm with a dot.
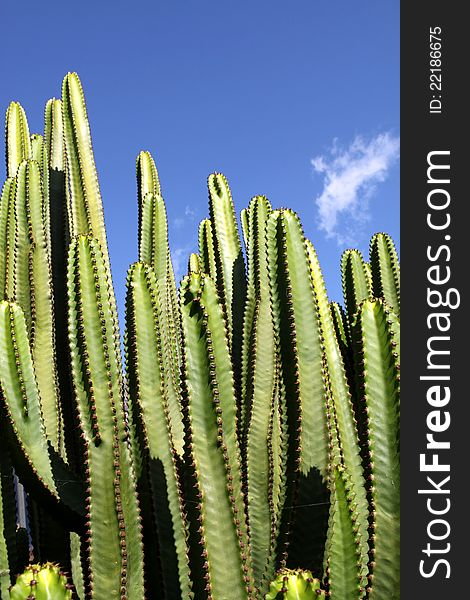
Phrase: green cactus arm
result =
(4, 229)
(207, 249)
(278, 442)
(227, 243)
(343, 335)
(244, 220)
(42, 330)
(57, 227)
(149, 400)
(162, 264)
(296, 321)
(19, 392)
(231, 278)
(259, 389)
(341, 326)
(86, 209)
(148, 182)
(355, 280)
(385, 270)
(17, 139)
(212, 449)
(295, 585)
(342, 406)
(376, 341)
(248, 320)
(254, 245)
(146, 229)
(115, 568)
(42, 582)
(296, 311)
(37, 148)
(368, 270)
(154, 249)
(17, 286)
(343, 553)
(194, 263)
(53, 170)
(160, 258)
(76, 565)
(54, 135)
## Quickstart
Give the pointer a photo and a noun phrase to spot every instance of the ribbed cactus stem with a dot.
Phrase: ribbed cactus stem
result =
(219, 543)
(355, 280)
(194, 263)
(42, 310)
(296, 321)
(5, 246)
(46, 475)
(341, 406)
(42, 582)
(385, 270)
(231, 277)
(17, 139)
(149, 408)
(207, 250)
(259, 387)
(154, 249)
(37, 148)
(244, 220)
(296, 315)
(18, 387)
(377, 348)
(343, 548)
(18, 284)
(295, 585)
(115, 568)
(148, 182)
(53, 176)
(85, 206)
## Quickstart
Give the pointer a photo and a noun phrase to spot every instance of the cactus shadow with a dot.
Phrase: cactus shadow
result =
(307, 537)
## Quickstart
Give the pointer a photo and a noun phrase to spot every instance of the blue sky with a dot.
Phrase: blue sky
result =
(295, 100)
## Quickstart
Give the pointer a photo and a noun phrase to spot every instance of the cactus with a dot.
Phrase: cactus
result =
(42, 582)
(295, 585)
(250, 448)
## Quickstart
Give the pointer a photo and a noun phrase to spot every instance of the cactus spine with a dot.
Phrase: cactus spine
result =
(250, 449)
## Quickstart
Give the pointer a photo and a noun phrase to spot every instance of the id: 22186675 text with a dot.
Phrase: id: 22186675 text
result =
(435, 70)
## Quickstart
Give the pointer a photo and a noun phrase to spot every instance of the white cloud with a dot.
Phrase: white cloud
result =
(190, 215)
(350, 177)
(189, 212)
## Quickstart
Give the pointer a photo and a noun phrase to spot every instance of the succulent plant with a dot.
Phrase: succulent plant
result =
(248, 447)
(42, 582)
(295, 585)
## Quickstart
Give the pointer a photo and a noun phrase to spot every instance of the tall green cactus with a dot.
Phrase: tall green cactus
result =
(376, 336)
(249, 451)
(157, 458)
(213, 455)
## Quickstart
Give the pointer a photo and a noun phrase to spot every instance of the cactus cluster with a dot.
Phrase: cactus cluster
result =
(249, 448)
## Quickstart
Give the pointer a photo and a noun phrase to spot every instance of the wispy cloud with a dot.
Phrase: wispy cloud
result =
(189, 216)
(350, 178)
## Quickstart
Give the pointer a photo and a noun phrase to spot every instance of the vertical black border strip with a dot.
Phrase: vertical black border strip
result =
(443, 561)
